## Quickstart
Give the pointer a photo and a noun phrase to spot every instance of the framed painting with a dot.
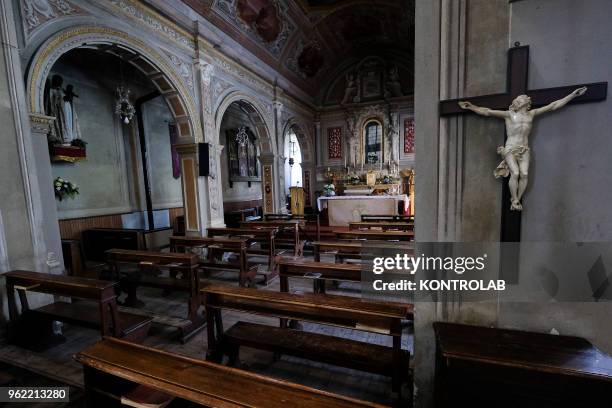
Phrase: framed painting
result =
(242, 155)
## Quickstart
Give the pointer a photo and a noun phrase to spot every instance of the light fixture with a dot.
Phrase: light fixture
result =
(123, 106)
(242, 137)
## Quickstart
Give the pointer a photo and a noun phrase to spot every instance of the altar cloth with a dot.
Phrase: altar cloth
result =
(345, 209)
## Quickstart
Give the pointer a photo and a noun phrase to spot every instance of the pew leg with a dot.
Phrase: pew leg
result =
(215, 335)
(129, 285)
(233, 353)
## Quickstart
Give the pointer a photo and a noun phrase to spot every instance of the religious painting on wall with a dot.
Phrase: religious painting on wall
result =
(243, 155)
(334, 143)
(176, 165)
(409, 136)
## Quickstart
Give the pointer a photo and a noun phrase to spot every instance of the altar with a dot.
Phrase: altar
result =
(344, 209)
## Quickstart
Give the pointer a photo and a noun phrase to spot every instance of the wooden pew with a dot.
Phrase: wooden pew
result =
(384, 218)
(479, 366)
(237, 245)
(381, 225)
(99, 313)
(342, 311)
(376, 235)
(113, 369)
(355, 249)
(175, 263)
(96, 241)
(265, 237)
(318, 272)
(291, 225)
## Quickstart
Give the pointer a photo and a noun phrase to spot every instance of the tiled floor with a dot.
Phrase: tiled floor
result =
(58, 364)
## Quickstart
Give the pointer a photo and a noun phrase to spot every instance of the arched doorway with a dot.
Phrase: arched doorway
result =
(243, 186)
(160, 75)
(297, 130)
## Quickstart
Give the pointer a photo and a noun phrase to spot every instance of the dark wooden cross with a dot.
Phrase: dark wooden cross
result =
(518, 63)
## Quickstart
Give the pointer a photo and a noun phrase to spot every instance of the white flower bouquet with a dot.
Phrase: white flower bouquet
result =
(64, 188)
(329, 190)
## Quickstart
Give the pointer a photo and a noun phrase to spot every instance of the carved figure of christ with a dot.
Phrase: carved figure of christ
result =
(515, 153)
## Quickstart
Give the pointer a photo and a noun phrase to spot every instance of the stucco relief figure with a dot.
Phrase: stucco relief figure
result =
(350, 92)
(60, 104)
(353, 141)
(519, 120)
(392, 142)
(393, 86)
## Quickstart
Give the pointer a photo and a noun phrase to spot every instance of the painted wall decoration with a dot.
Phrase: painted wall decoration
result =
(307, 187)
(334, 143)
(310, 60)
(408, 136)
(262, 15)
(268, 195)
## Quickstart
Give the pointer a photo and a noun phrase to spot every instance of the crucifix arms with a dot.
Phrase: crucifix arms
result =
(560, 102)
(483, 111)
(523, 103)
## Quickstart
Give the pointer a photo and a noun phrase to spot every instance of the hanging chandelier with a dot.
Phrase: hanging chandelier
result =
(242, 137)
(123, 106)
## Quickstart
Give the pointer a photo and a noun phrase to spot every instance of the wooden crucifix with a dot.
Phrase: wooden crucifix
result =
(497, 105)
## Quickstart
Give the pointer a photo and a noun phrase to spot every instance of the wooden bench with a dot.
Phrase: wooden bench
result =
(175, 263)
(385, 218)
(381, 225)
(113, 369)
(318, 272)
(237, 245)
(376, 235)
(265, 237)
(290, 226)
(479, 366)
(98, 312)
(355, 249)
(342, 311)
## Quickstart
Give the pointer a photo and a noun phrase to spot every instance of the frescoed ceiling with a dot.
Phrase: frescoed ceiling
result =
(307, 40)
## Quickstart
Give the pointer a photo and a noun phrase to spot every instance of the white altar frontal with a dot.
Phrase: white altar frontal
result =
(344, 209)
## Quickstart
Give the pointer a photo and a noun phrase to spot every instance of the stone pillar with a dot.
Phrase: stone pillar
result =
(279, 165)
(47, 240)
(210, 199)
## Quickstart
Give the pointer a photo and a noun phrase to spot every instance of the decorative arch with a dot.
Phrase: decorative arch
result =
(256, 113)
(303, 136)
(305, 139)
(153, 64)
(267, 145)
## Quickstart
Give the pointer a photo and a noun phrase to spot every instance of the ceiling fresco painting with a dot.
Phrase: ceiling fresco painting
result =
(308, 40)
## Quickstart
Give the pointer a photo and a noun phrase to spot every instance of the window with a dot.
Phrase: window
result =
(373, 142)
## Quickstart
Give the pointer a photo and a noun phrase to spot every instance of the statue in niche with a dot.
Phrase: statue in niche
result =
(351, 91)
(393, 86)
(392, 152)
(60, 104)
(519, 120)
(353, 140)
